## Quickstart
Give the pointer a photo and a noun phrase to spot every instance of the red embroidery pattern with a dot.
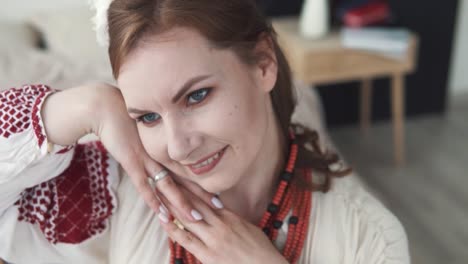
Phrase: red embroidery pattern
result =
(19, 108)
(75, 205)
(65, 149)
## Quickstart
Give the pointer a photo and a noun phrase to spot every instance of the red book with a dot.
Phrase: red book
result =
(369, 14)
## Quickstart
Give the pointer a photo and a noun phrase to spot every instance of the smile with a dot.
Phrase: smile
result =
(207, 164)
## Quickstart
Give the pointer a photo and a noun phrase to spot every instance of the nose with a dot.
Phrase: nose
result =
(181, 139)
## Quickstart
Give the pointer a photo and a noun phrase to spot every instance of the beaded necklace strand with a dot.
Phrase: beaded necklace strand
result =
(288, 196)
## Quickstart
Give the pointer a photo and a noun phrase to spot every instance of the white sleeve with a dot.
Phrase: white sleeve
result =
(24, 157)
(55, 203)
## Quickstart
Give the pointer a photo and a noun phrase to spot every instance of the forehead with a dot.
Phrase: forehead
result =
(168, 60)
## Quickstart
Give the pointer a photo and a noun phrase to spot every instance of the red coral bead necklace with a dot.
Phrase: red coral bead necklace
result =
(287, 197)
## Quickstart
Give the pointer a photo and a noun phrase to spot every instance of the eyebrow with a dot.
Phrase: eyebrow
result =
(188, 85)
(178, 95)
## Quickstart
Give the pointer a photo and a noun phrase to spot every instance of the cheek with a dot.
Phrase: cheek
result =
(244, 123)
(153, 144)
(234, 116)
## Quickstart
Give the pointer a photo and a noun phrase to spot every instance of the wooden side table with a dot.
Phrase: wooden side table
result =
(327, 61)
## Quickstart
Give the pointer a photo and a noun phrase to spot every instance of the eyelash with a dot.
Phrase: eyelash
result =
(207, 92)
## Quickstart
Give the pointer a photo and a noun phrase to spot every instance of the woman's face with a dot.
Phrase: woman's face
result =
(201, 112)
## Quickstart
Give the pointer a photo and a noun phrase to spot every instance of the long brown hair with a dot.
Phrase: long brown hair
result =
(227, 24)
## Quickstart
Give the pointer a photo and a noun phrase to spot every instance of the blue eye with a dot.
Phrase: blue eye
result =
(149, 118)
(198, 96)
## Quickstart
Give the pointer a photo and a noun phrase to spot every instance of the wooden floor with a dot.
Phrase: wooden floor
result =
(430, 193)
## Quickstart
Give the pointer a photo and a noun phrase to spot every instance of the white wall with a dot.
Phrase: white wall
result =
(20, 9)
(459, 69)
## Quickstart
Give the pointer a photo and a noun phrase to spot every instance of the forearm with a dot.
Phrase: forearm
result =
(68, 115)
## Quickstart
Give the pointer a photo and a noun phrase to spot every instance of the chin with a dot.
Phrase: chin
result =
(216, 187)
(213, 188)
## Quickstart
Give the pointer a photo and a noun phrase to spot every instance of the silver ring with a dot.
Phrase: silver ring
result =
(160, 175)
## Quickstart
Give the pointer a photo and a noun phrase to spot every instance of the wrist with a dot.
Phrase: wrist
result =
(104, 102)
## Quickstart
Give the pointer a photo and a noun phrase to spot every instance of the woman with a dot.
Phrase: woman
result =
(203, 107)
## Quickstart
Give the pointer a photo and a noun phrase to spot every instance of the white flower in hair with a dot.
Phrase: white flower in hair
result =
(100, 20)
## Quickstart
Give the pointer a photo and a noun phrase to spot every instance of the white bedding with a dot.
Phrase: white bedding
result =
(36, 66)
(72, 56)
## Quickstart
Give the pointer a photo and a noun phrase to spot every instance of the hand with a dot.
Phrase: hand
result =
(222, 237)
(119, 134)
(100, 109)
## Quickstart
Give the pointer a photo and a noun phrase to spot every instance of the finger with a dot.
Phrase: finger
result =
(217, 224)
(203, 229)
(139, 178)
(209, 198)
(171, 191)
(200, 228)
(210, 215)
(147, 192)
(184, 238)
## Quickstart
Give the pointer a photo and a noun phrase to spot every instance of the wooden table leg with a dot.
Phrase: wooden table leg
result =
(366, 104)
(398, 110)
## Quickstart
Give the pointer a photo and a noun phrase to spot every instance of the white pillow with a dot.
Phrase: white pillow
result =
(16, 36)
(70, 33)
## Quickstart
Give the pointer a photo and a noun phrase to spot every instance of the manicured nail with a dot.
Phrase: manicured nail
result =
(163, 209)
(217, 203)
(335, 167)
(196, 215)
(163, 217)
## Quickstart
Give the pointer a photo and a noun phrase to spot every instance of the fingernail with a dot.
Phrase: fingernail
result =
(196, 215)
(163, 209)
(163, 217)
(217, 203)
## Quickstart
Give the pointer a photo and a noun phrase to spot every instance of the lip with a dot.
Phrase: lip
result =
(208, 167)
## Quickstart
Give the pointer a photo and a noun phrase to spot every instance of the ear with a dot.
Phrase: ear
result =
(266, 72)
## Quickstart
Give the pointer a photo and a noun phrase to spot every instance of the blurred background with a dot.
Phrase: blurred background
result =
(369, 60)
